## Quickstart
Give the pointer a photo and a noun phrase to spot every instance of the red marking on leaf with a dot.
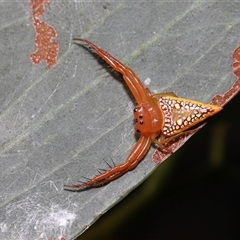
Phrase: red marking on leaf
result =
(47, 48)
(236, 64)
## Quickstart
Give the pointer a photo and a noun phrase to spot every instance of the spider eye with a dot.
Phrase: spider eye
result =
(148, 118)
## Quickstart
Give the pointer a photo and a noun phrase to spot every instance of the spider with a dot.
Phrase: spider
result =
(159, 119)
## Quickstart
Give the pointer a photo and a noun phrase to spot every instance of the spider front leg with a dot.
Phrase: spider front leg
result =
(161, 143)
(140, 93)
(138, 152)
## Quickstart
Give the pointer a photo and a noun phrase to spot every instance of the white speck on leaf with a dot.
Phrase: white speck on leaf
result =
(147, 81)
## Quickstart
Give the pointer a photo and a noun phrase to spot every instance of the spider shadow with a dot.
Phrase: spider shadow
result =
(113, 73)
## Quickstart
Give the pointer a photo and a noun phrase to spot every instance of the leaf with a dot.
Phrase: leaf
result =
(60, 124)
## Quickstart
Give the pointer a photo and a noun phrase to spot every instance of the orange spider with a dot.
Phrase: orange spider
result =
(162, 114)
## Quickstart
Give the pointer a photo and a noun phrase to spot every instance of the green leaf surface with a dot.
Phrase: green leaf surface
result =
(60, 124)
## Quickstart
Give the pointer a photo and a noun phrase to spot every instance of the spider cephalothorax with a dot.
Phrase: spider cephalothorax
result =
(148, 118)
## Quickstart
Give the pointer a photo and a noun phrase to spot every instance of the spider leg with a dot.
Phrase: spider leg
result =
(164, 143)
(160, 144)
(136, 155)
(140, 93)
